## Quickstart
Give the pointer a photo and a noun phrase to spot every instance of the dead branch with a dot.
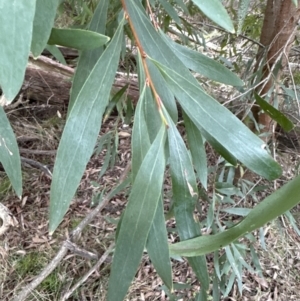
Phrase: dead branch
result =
(37, 151)
(81, 252)
(49, 82)
(37, 165)
(88, 274)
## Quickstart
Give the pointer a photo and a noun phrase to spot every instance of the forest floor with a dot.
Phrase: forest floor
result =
(27, 248)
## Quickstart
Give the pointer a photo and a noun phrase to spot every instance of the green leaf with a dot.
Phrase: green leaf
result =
(163, 91)
(88, 58)
(255, 259)
(152, 117)
(114, 102)
(237, 211)
(182, 5)
(185, 193)
(157, 243)
(157, 247)
(227, 189)
(202, 64)
(9, 153)
(197, 148)
(77, 38)
(229, 284)
(229, 131)
(151, 114)
(151, 43)
(292, 221)
(140, 133)
(54, 50)
(217, 265)
(210, 215)
(242, 13)
(201, 296)
(119, 187)
(279, 117)
(81, 130)
(15, 35)
(140, 138)
(240, 258)
(171, 11)
(137, 219)
(102, 141)
(203, 110)
(218, 147)
(216, 289)
(232, 261)
(45, 13)
(215, 11)
(271, 207)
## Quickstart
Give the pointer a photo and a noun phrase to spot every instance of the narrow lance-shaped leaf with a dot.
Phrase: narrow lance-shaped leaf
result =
(242, 13)
(185, 193)
(140, 143)
(163, 91)
(146, 122)
(276, 115)
(233, 262)
(215, 11)
(150, 41)
(88, 58)
(81, 130)
(9, 153)
(45, 13)
(57, 54)
(152, 117)
(197, 148)
(158, 248)
(150, 112)
(271, 207)
(171, 11)
(15, 35)
(77, 38)
(202, 64)
(155, 46)
(218, 146)
(183, 6)
(241, 139)
(114, 102)
(205, 112)
(137, 219)
(140, 137)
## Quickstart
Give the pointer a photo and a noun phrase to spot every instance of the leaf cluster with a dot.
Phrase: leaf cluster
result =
(158, 148)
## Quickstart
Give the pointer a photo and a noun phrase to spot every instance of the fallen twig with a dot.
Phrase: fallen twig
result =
(37, 151)
(88, 274)
(81, 252)
(38, 165)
